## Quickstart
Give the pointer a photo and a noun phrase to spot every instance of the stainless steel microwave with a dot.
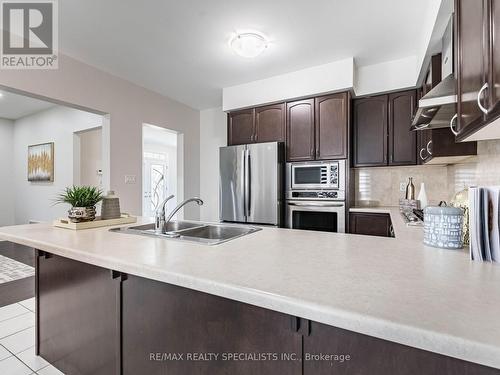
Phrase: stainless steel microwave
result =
(316, 175)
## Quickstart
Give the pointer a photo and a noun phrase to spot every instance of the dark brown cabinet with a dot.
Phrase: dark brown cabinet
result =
(331, 124)
(478, 64)
(439, 146)
(300, 130)
(270, 123)
(94, 321)
(78, 308)
(471, 16)
(371, 224)
(370, 131)
(365, 355)
(261, 124)
(402, 141)
(381, 131)
(313, 129)
(241, 127)
(162, 318)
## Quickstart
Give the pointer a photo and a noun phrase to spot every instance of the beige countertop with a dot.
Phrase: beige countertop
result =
(392, 288)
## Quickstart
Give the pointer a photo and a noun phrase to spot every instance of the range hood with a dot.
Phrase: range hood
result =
(437, 107)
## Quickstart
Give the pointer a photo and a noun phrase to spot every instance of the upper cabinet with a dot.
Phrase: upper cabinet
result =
(471, 62)
(402, 141)
(370, 131)
(261, 124)
(241, 127)
(300, 130)
(313, 129)
(382, 133)
(270, 123)
(477, 35)
(331, 125)
(317, 129)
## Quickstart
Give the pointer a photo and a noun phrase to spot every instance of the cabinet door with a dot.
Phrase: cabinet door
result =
(494, 65)
(300, 130)
(424, 145)
(471, 31)
(372, 356)
(370, 224)
(163, 318)
(331, 126)
(402, 141)
(77, 316)
(370, 131)
(240, 127)
(270, 123)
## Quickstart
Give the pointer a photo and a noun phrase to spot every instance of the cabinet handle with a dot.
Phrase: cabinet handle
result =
(422, 150)
(452, 126)
(120, 276)
(311, 151)
(483, 109)
(427, 147)
(423, 126)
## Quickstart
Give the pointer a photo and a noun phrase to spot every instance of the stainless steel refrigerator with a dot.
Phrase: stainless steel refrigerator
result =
(251, 183)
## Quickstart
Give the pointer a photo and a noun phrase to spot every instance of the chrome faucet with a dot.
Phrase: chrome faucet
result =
(174, 211)
(160, 225)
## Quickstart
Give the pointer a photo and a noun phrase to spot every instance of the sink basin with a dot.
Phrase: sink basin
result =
(213, 234)
(172, 226)
(210, 234)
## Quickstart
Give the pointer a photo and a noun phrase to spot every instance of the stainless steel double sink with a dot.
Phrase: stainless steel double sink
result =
(190, 231)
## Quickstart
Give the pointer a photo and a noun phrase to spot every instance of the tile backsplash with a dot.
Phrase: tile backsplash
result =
(382, 184)
(441, 182)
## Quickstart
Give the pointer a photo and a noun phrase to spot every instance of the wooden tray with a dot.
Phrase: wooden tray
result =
(97, 223)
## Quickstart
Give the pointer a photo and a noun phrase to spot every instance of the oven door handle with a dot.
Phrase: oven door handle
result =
(315, 205)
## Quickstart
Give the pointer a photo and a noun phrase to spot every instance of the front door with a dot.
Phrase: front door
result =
(155, 185)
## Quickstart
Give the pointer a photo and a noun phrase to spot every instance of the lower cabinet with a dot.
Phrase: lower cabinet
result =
(77, 322)
(372, 224)
(92, 321)
(160, 318)
(371, 356)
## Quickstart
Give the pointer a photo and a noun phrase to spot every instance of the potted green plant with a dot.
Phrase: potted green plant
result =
(83, 200)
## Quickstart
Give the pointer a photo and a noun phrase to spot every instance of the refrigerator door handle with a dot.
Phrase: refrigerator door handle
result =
(244, 182)
(249, 184)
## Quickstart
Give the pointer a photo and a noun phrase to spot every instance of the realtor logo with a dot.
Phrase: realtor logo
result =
(29, 34)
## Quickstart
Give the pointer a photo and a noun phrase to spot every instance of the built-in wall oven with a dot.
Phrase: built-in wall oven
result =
(315, 197)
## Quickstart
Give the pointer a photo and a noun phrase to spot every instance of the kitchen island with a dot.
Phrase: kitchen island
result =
(276, 301)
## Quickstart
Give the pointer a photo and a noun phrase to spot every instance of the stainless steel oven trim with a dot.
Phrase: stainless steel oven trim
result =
(337, 207)
(341, 165)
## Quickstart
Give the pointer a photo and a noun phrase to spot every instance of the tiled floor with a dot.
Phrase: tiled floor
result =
(17, 341)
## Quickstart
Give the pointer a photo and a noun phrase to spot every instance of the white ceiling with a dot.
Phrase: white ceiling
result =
(13, 106)
(180, 48)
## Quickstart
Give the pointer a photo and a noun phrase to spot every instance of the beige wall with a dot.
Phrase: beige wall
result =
(7, 189)
(129, 106)
(213, 132)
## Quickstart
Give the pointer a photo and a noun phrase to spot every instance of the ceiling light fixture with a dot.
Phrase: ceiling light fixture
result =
(249, 44)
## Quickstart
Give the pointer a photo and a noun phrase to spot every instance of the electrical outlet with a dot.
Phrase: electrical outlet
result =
(130, 179)
(402, 187)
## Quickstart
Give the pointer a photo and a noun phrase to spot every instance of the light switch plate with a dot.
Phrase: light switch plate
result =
(402, 187)
(130, 179)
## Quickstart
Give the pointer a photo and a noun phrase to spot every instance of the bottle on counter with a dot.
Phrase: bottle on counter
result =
(422, 197)
(410, 189)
